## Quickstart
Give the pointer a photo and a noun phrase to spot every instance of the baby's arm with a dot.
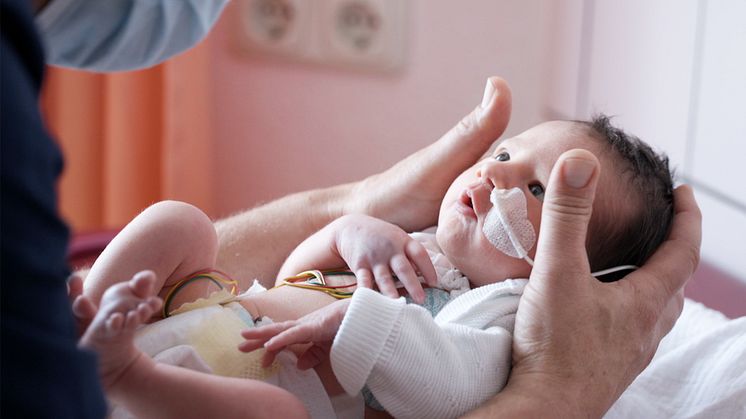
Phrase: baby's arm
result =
(415, 365)
(372, 249)
(420, 367)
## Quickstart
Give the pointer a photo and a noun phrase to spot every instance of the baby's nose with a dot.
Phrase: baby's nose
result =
(494, 174)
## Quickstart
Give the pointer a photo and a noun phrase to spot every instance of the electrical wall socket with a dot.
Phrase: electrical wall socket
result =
(365, 34)
(275, 26)
(368, 33)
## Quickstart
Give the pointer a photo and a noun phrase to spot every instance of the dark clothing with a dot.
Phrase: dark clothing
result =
(43, 372)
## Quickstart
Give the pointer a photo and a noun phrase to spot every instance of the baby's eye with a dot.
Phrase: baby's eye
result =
(504, 156)
(537, 190)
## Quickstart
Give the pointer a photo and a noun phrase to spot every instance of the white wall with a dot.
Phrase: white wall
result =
(674, 73)
(671, 70)
(283, 126)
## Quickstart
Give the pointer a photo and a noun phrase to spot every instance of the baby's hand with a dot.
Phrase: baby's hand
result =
(318, 327)
(374, 249)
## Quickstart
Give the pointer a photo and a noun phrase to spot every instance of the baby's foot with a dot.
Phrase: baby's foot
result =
(123, 308)
(83, 308)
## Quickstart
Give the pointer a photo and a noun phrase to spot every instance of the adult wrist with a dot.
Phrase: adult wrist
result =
(540, 396)
(335, 200)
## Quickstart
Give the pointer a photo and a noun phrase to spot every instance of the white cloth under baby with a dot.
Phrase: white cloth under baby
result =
(699, 371)
(206, 340)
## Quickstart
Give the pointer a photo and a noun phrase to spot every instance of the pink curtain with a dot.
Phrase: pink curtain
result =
(131, 139)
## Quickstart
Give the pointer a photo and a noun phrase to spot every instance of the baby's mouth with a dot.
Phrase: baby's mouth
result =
(466, 199)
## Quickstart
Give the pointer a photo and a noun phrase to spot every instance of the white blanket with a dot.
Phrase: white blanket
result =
(699, 371)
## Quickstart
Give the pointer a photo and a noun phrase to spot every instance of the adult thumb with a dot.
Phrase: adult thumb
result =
(566, 212)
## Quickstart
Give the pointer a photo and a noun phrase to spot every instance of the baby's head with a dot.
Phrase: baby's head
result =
(632, 211)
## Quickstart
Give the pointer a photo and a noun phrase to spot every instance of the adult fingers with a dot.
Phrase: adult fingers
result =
(675, 261)
(479, 129)
(566, 211)
(466, 142)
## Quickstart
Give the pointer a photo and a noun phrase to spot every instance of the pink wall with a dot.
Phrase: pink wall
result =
(283, 127)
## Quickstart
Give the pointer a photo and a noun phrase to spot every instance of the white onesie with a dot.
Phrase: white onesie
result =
(419, 366)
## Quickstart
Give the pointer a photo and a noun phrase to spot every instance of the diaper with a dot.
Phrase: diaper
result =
(208, 335)
(206, 338)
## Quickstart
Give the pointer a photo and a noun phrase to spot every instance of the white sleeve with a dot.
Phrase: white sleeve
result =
(417, 366)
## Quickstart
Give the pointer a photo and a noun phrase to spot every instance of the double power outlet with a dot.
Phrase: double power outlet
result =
(367, 34)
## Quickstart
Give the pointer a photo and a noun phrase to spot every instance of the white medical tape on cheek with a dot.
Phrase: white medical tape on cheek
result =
(507, 226)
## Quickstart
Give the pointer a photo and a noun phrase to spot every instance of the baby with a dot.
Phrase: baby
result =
(414, 364)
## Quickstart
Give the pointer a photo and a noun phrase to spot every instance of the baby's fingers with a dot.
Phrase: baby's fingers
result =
(313, 356)
(364, 278)
(300, 333)
(417, 253)
(385, 281)
(256, 337)
(268, 358)
(403, 269)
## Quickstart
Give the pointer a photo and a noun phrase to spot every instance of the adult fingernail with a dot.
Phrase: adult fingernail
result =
(489, 93)
(578, 172)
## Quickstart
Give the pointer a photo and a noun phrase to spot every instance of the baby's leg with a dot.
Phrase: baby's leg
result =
(147, 389)
(172, 239)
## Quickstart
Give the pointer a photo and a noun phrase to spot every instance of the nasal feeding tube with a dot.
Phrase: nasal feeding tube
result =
(508, 229)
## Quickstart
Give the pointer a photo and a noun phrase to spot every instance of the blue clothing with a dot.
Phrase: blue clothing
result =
(114, 35)
(43, 373)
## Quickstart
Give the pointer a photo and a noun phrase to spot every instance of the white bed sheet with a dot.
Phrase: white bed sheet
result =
(699, 371)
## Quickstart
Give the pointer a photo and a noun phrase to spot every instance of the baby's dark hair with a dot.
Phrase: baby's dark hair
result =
(648, 183)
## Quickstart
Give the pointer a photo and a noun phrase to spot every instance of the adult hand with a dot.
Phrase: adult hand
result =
(409, 193)
(578, 342)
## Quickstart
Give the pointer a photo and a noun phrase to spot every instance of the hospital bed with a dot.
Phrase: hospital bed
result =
(699, 370)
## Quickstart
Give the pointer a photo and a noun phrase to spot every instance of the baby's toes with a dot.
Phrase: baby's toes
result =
(132, 320)
(114, 324)
(142, 284)
(83, 308)
(147, 308)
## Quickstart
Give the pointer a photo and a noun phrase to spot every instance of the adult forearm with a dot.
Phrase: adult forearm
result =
(255, 243)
